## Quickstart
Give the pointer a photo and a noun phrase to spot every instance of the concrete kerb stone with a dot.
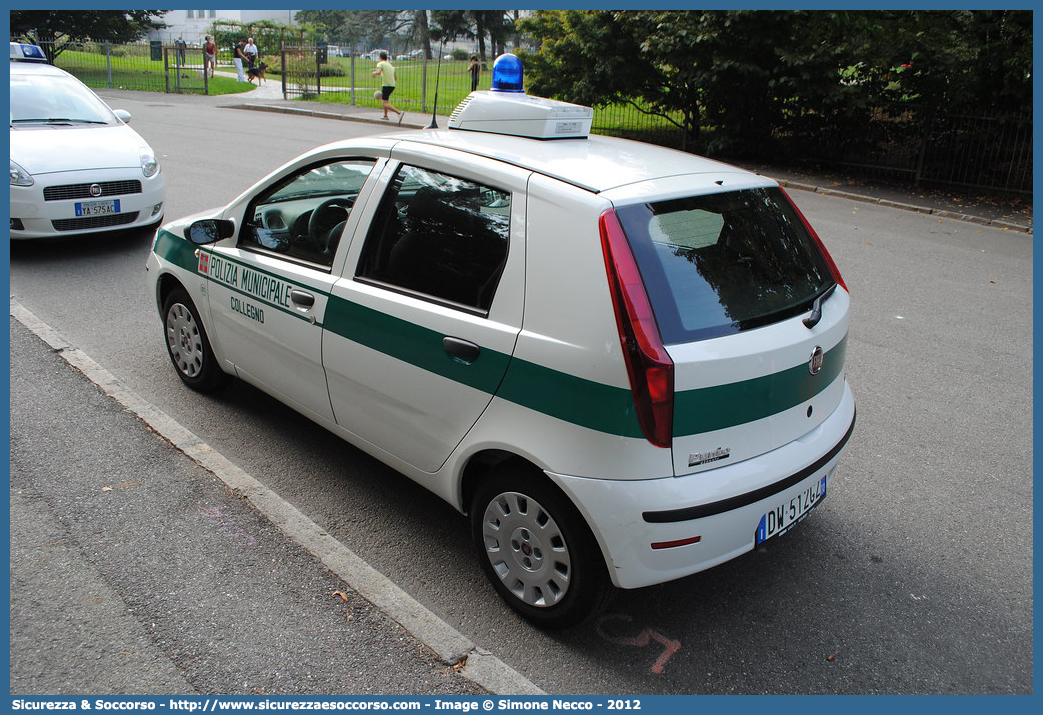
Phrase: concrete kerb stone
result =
(941, 213)
(353, 117)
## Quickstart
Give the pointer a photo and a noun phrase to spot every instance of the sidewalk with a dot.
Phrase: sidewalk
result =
(141, 565)
(268, 97)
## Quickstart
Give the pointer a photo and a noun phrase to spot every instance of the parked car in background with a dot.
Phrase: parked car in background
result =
(76, 167)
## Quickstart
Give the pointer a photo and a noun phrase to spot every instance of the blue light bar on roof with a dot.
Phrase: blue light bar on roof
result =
(507, 74)
(24, 51)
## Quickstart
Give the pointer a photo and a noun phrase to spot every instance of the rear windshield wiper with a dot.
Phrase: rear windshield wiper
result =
(816, 309)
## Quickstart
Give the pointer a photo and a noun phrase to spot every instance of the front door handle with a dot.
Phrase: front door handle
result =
(302, 299)
(462, 350)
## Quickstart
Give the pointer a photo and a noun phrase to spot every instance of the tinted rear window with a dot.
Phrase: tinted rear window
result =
(720, 264)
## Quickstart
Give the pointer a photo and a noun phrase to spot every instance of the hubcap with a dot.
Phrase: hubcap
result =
(184, 340)
(527, 549)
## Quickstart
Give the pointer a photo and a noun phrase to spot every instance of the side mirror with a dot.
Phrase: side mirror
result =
(123, 115)
(209, 230)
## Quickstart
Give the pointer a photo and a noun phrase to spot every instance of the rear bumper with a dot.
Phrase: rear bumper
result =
(709, 517)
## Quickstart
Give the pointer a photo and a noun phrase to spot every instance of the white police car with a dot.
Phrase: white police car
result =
(76, 167)
(623, 362)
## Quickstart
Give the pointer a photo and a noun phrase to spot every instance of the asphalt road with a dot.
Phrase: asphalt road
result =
(914, 576)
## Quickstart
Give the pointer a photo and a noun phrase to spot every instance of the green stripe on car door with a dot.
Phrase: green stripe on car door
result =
(413, 344)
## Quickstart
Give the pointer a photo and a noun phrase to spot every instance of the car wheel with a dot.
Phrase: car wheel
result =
(188, 346)
(537, 550)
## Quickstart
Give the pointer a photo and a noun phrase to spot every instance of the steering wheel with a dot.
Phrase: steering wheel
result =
(326, 217)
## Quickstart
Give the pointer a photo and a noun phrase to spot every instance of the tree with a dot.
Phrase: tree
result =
(451, 25)
(733, 78)
(956, 60)
(593, 57)
(474, 25)
(424, 31)
(326, 23)
(54, 31)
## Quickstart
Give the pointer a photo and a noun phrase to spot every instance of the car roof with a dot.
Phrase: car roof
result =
(36, 68)
(596, 163)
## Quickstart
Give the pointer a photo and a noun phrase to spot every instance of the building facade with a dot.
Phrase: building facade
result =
(193, 25)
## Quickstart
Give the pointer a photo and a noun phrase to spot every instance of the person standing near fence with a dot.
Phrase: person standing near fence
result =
(238, 58)
(209, 56)
(475, 69)
(386, 71)
(179, 46)
(251, 53)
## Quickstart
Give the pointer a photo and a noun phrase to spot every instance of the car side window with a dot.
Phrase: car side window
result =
(303, 216)
(440, 237)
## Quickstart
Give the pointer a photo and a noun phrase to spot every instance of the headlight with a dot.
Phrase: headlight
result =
(19, 176)
(149, 164)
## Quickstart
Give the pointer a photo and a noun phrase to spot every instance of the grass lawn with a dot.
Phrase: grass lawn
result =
(415, 91)
(140, 72)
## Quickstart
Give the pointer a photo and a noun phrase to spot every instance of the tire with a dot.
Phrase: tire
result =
(188, 345)
(537, 550)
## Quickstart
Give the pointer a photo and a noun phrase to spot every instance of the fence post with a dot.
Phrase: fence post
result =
(318, 75)
(423, 87)
(282, 76)
(108, 61)
(922, 152)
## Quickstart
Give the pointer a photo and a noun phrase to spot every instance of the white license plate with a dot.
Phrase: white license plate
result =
(97, 208)
(788, 512)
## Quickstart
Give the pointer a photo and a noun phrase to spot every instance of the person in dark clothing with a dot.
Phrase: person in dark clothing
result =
(475, 69)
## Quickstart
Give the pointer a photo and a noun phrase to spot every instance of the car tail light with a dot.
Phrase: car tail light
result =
(649, 367)
(818, 242)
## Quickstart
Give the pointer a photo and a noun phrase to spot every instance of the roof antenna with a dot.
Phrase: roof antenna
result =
(438, 77)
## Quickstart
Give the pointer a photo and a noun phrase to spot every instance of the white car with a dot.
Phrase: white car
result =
(624, 363)
(76, 167)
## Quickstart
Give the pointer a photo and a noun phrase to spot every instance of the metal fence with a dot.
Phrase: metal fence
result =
(422, 85)
(148, 66)
(990, 151)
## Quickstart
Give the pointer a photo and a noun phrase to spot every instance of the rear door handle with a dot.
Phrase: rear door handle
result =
(462, 350)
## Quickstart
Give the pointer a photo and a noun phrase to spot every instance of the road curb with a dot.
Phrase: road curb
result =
(890, 203)
(452, 647)
(277, 109)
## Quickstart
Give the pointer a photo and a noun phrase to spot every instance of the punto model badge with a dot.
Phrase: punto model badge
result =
(95, 189)
(713, 455)
(817, 358)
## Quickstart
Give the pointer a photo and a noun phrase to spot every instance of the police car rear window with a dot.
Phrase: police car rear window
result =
(720, 264)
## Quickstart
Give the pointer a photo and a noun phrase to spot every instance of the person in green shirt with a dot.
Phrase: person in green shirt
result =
(386, 71)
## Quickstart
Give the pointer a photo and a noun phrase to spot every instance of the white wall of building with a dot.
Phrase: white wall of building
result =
(193, 25)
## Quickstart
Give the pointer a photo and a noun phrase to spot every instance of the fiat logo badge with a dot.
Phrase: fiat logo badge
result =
(95, 189)
(817, 358)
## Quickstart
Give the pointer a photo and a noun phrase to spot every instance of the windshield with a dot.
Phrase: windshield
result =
(43, 98)
(720, 264)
